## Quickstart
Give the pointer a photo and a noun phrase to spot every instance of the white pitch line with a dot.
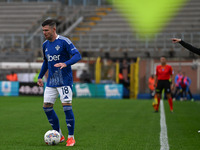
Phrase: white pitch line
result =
(163, 129)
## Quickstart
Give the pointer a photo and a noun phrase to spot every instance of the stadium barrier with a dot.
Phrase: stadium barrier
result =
(111, 91)
(8, 88)
(30, 89)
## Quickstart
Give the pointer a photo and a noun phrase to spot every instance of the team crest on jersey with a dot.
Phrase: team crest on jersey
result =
(57, 47)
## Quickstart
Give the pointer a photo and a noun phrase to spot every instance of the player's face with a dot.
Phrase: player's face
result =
(163, 60)
(48, 32)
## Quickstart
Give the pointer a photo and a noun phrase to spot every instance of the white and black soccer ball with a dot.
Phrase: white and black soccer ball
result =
(52, 137)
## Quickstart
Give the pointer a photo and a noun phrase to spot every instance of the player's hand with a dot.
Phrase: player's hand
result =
(61, 65)
(40, 82)
(175, 40)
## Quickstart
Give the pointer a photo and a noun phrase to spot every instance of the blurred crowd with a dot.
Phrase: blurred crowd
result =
(180, 91)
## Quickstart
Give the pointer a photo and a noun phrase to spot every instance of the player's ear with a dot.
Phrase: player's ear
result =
(54, 28)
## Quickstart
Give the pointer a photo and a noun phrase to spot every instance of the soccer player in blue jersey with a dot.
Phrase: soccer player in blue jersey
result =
(59, 54)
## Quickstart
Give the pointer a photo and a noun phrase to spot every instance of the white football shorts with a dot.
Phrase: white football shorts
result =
(51, 94)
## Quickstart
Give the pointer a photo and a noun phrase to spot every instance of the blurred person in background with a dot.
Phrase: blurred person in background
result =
(35, 79)
(164, 73)
(59, 54)
(151, 83)
(124, 79)
(12, 76)
(85, 77)
(108, 71)
(177, 81)
(126, 85)
(185, 88)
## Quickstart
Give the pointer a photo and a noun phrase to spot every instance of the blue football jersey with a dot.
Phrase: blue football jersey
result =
(61, 50)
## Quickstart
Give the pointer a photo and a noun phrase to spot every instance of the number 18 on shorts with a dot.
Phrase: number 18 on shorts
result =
(51, 93)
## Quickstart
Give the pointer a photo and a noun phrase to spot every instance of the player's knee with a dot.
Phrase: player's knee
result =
(67, 104)
(46, 105)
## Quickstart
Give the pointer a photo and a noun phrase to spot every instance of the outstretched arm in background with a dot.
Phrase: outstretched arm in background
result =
(186, 45)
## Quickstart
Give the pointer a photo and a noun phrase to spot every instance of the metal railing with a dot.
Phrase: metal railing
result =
(71, 16)
(97, 42)
(69, 2)
(19, 41)
(160, 42)
(8, 1)
(86, 2)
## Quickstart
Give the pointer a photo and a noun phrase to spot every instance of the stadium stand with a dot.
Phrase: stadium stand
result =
(99, 27)
(18, 22)
(111, 33)
(21, 17)
(101, 31)
(187, 20)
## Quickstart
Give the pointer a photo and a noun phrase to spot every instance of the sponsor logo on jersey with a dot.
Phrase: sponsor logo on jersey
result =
(46, 50)
(57, 47)
(53, 58)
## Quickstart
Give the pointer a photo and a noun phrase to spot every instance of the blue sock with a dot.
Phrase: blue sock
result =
(69, 119)
(52, 117)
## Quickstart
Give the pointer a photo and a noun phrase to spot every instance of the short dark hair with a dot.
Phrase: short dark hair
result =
(50, 22)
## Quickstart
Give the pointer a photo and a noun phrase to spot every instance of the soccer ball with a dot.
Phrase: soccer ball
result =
(52, 137)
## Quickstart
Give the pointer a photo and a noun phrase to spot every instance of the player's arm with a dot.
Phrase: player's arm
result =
(187, 46)
(187, 86)
(155, 81)
(175, 80)
(42, 72)
(172, 81)
(156, 78)
(172, 77)
(189, 81)
(74, 59)
(75, 56)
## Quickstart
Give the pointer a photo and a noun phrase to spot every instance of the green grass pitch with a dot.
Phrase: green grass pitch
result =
(100, 124)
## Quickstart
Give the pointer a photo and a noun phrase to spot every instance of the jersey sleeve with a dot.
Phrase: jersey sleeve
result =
(44, 65)
(74, 53)
(190, 47)
(43, 69)
(43, 50)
